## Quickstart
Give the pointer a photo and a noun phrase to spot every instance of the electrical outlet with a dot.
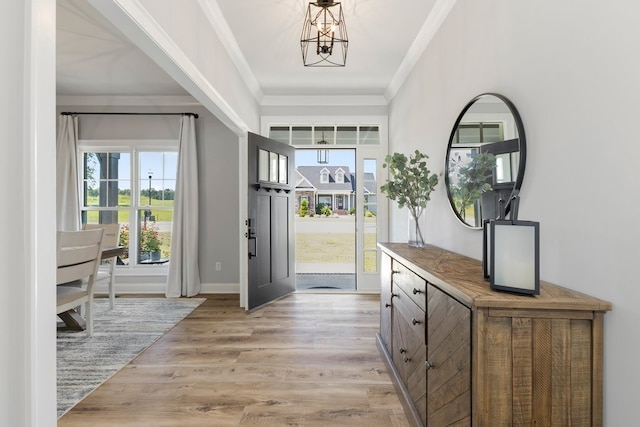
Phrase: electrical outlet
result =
(218, 266)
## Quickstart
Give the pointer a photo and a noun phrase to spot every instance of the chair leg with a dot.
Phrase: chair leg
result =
(89, 315)
(112, 279)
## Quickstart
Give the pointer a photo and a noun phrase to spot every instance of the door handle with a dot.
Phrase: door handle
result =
(253, 254)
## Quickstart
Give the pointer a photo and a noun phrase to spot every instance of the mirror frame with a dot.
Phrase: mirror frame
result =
(522, 142)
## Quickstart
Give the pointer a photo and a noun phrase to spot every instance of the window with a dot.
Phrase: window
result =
(134, 187)
(370, 212)
(340, 176)
(324, 176)
(468, 133)
(312, 135)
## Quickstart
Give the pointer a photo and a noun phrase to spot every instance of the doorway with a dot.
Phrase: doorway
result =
(325, 220)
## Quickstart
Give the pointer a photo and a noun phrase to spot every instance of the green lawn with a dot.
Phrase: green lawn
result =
(125, 201)
(333, 247)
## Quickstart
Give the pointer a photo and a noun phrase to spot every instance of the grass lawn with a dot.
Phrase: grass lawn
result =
(333, 247)
(124, 201)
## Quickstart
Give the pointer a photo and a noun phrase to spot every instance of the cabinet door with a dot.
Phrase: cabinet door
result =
(448, 360)
(385, 301)
(409, 350)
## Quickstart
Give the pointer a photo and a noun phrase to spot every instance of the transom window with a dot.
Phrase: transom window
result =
(329, 135)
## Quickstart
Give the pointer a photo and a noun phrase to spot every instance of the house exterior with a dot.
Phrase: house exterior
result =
(333, 186)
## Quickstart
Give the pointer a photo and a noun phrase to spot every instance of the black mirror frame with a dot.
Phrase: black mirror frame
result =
(522, 146)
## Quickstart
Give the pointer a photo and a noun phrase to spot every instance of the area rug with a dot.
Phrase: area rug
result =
(119, 335)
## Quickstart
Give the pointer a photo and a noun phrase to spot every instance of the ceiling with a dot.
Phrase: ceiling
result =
(94, 58)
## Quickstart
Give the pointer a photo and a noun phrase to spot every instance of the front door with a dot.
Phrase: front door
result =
(270, 224)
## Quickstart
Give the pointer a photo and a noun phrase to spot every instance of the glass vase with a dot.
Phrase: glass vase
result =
(416, 230)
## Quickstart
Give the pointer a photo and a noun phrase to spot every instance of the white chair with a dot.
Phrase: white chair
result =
(78, 257)
(106, 271)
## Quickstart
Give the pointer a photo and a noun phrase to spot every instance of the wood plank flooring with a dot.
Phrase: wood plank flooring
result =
(305, 360)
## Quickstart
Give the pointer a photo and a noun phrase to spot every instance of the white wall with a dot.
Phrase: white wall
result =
(572, 71)
(27, 253)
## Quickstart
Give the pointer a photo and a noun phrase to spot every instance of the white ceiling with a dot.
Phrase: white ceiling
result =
(94, 58)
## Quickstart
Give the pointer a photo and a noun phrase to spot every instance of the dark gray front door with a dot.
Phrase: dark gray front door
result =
(270, 223)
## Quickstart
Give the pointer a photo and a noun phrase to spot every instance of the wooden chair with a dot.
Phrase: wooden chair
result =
(106, 271)
(78, 257)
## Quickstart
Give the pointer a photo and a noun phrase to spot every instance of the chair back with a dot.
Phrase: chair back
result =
(111, 235)
(78, 255)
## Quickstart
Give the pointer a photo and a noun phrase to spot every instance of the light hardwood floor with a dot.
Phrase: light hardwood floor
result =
(305, 360)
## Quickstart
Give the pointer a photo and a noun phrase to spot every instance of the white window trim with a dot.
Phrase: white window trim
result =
(134, 147)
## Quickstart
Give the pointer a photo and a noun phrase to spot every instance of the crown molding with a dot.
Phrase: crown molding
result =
(430, 27)
(323, 100)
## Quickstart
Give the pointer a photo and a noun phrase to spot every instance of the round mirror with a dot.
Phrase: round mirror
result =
(485, 158)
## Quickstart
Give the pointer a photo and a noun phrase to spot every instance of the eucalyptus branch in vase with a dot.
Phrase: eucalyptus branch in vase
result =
(410, 184)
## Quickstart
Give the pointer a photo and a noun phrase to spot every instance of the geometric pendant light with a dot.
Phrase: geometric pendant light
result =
(324, 40)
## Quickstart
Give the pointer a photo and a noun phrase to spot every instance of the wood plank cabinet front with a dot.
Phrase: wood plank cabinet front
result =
(461, 354)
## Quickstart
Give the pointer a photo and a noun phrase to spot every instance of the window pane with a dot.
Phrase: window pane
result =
(106, 180)
(154, 238)
(158, 171)
(273, 167)
(283, 169)
(326, 134)
(279, 133)
(492, 132)
(301, 135)
(263, 165)
(347, 135)
(369, 135)
(468, 133)
(370, 209)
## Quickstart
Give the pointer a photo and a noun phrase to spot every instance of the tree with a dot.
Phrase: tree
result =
(304, 207)
(473, 180)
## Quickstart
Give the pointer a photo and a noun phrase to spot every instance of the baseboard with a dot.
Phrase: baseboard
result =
(160, 288)
(220, 288)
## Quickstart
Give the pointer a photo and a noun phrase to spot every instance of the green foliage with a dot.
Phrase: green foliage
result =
(304, 207)
(410, 181)
(473, 179)
(326, 210)
(352, 211)
(369, 214)
(150, 239)
(124, 239)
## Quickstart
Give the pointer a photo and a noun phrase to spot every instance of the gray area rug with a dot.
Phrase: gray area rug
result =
(83, 363)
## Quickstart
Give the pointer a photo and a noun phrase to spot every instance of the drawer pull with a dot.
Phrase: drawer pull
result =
(406, 359)
(415, 321)
(416, 291)
(428, 364)
(402, 350)
(394, 296)
(387, 305)
(395, 272)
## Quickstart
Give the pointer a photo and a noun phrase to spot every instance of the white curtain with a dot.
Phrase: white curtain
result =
(67, 195)
(184, 274)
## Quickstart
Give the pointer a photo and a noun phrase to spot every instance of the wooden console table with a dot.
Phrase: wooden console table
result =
(462, 354)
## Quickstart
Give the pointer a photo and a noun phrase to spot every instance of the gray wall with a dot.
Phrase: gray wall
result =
(569, 69)
(217, 170)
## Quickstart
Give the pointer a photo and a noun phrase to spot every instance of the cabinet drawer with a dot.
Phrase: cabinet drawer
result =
(411, 283)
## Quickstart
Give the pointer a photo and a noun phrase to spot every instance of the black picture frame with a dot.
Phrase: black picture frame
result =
(514, 260)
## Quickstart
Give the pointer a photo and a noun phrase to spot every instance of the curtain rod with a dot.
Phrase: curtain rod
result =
(67, 113)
